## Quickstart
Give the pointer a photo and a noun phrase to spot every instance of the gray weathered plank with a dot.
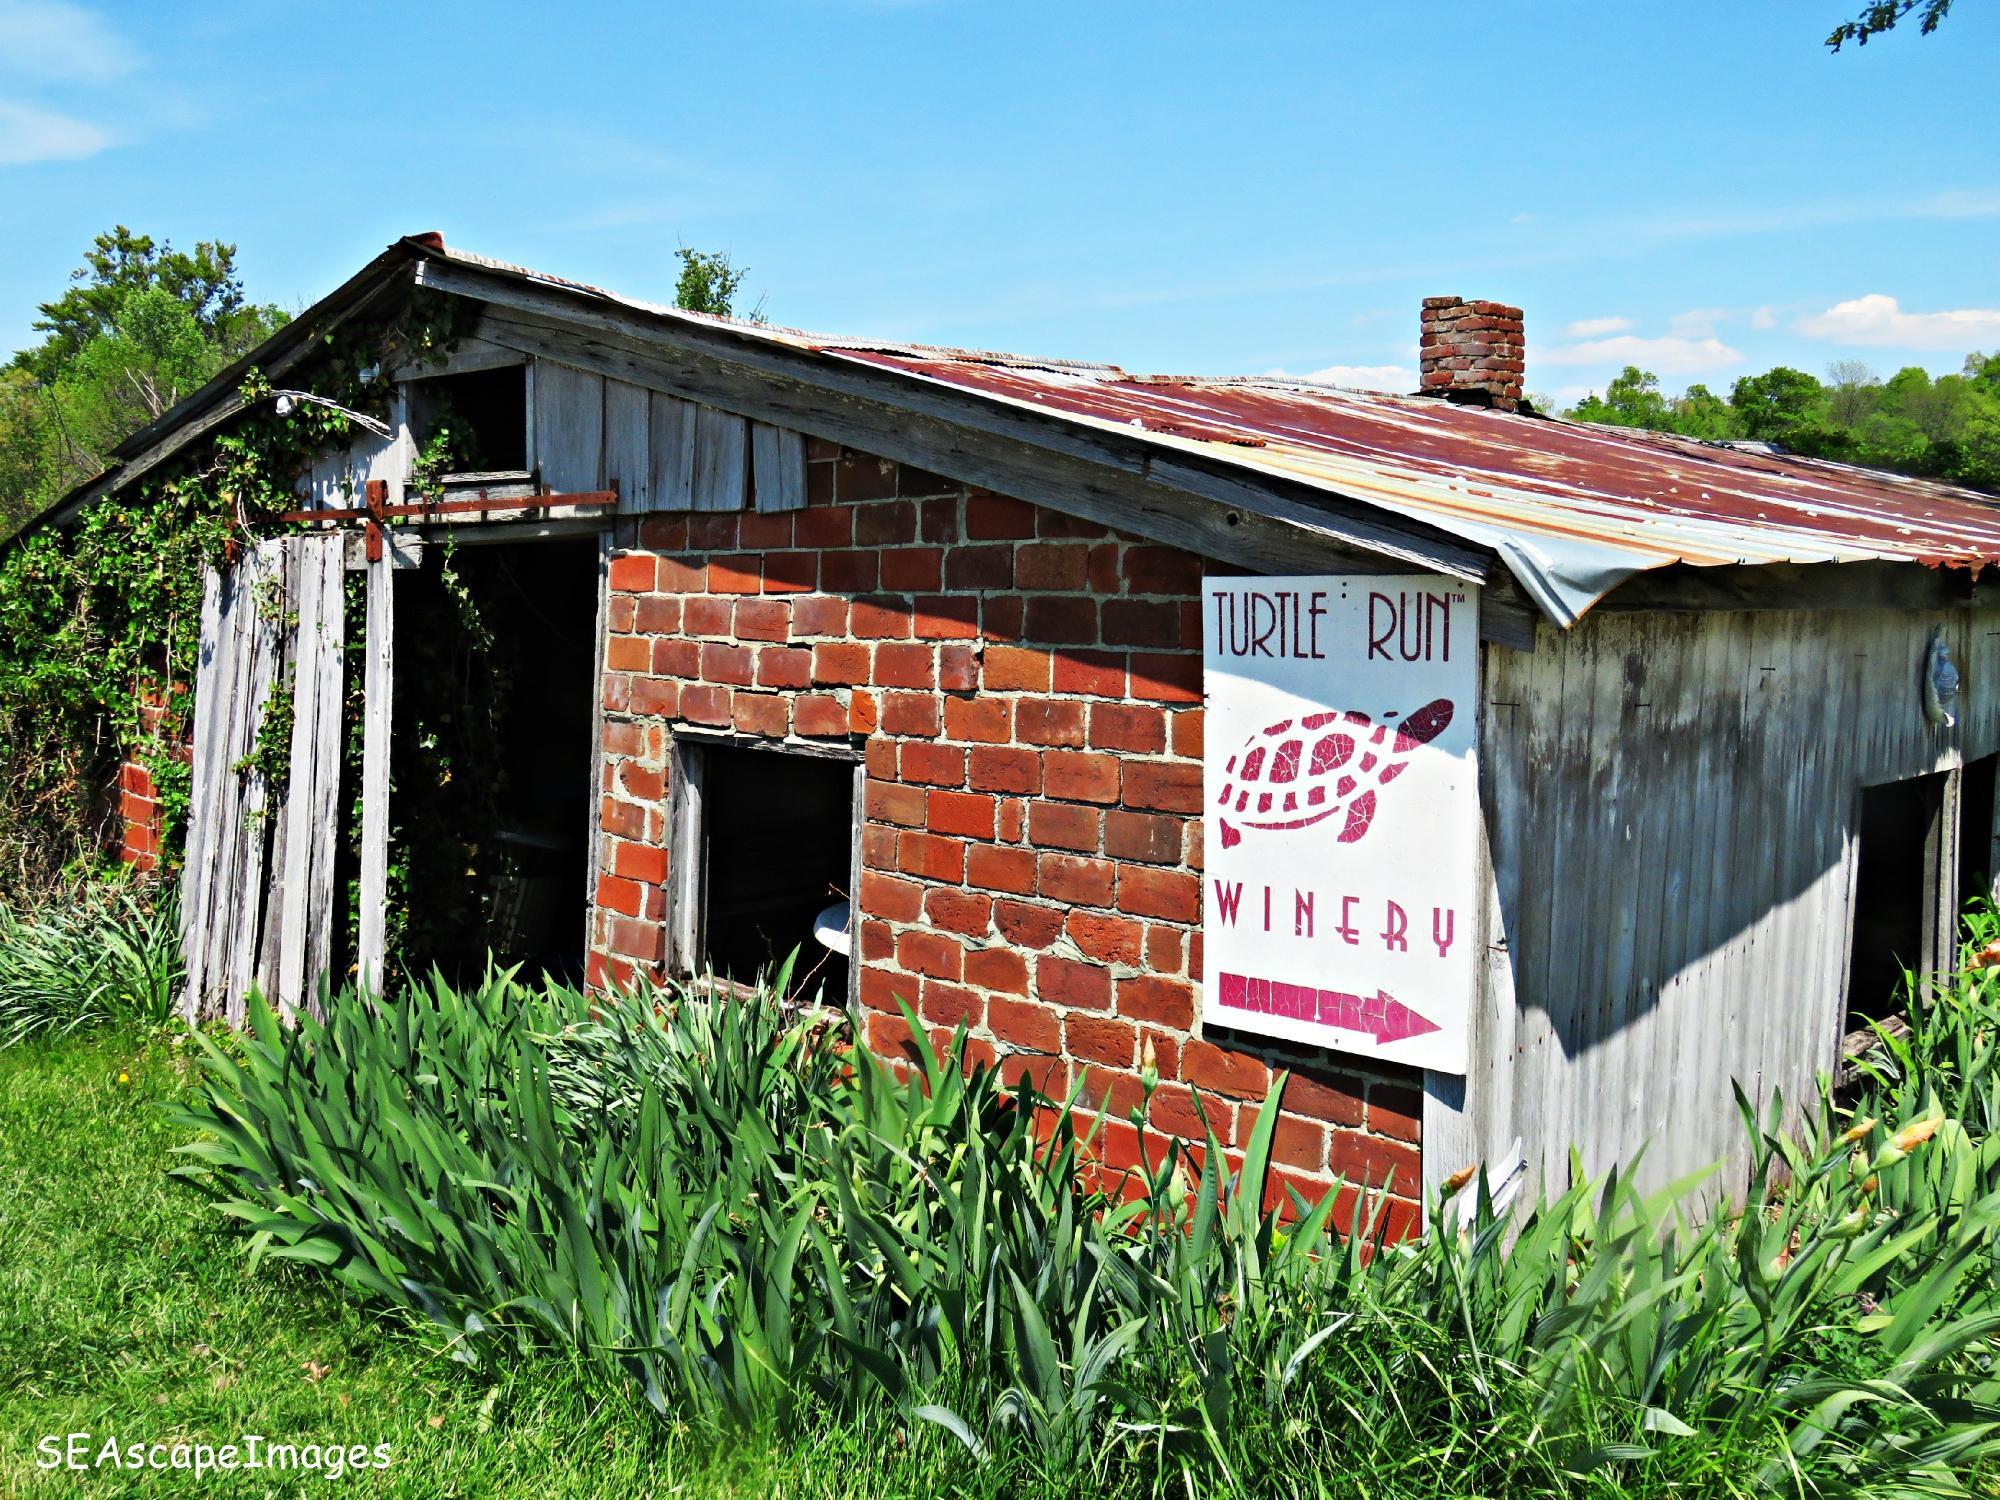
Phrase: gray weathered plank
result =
(228, 856)
(310, 827)
(673, 452)
(278, 797)
(322, 892)
(569, 428)
(225, 855)
(628, 446)
(721, 460)
(378, 688)
(777, 467)
(263, 611)
(206, 900)
(594, 838)
(684, 834)
(467, 356)
(197, 875)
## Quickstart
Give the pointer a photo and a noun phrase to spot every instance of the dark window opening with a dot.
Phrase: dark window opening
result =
(1975, 829)
(492, 759)
(1893, 893)
(777, 850)
(483, 414)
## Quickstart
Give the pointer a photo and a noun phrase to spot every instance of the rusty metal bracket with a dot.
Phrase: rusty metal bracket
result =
(377, 496)
(376, 510)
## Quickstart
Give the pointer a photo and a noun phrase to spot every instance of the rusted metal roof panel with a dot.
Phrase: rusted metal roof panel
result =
(1581, 506)
(1573, 508)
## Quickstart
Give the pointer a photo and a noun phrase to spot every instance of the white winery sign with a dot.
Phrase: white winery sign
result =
(1340, 899)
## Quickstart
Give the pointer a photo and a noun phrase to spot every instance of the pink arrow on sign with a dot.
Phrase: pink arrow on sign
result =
(1380, 1015)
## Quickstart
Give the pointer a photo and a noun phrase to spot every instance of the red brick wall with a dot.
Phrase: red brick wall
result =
(139, 819)
(1026, 689)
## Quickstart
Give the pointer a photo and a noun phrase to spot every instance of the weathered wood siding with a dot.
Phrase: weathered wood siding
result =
(257, 890)
(662, 453)
(302, 892)
(1670, 805)
(222, 907)
(378, 679)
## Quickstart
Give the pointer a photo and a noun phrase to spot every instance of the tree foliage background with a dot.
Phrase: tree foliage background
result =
(1882, 15)
(141, 326)
(1947, 427)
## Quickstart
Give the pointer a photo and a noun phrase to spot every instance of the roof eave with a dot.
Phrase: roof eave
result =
(207, 408)
(1359, 525)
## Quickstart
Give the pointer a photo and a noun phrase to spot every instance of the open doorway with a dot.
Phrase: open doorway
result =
(1976, 865)
(1895, 892)
(764, 859)
(492, 764)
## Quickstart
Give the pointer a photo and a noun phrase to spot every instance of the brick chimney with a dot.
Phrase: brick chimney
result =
(1473, 352)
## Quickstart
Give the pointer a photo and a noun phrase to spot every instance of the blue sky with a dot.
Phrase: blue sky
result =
(1698, 187)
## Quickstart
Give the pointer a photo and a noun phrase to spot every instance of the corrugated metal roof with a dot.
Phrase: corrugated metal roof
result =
(1581, 505)
(1572, 507)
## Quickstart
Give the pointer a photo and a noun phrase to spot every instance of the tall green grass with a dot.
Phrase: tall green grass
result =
(765, 1230)
(127, 1308)
(100, 954)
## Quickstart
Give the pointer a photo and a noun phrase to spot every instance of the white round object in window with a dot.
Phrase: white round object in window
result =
(830, 927)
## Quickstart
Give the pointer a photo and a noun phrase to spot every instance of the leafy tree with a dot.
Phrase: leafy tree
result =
(1703, 414)
(141, 326)
(1782, 405)
(1852, 392)
(709, 284)
(1947, 428)
(1930, 407)
(120, 264)
(1632, 399)
(1882, 15)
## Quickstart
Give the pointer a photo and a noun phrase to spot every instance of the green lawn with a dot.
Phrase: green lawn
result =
(127, 1311)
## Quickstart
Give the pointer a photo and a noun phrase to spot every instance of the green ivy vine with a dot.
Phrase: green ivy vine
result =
(271, 750)
(100, 616)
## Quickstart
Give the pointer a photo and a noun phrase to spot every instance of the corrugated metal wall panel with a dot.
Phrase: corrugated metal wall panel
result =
(1669, 804)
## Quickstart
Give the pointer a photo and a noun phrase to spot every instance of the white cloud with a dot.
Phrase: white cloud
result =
(1368, 377)
(1696, 322)
(1764, 319)
(1397, 378)
(1963, 203)
(55, 41)
(1955, 204)
(1592, 328)
(1671, 355)
(28, 134)
(1879, 320)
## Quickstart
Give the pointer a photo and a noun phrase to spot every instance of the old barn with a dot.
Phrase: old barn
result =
(788, 622)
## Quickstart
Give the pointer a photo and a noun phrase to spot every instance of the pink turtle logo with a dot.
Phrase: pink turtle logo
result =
(1299, 771)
